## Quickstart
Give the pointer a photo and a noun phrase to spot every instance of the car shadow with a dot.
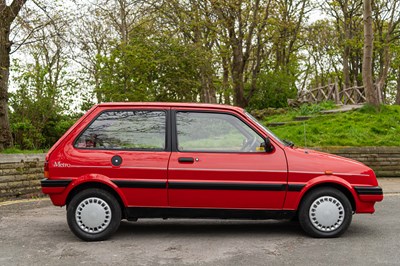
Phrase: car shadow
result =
(201, 227)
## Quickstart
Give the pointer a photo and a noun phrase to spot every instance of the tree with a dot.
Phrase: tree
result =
(397, 100)
(150, 67)
(45, 85)
(347, 16)
(324, 53)
(370, 91)
(244, 25)
(386, 19)
(8, 13)
(195, 23)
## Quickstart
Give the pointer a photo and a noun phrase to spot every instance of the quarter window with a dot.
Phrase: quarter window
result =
(125, 130)
(215, 132)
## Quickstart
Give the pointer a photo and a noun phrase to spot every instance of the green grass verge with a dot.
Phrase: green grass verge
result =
(14, 150)
(363, 127)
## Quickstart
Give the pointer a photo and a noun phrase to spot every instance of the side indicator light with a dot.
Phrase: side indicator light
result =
(327, 172)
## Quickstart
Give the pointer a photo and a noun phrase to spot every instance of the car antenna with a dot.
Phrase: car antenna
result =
(305, 138)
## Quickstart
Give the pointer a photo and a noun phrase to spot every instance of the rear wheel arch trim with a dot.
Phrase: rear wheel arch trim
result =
(102, 183)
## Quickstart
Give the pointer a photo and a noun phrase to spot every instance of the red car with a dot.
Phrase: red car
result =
(182, 160)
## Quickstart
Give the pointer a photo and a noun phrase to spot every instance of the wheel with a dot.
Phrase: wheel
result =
(325, 212)
(93, 214)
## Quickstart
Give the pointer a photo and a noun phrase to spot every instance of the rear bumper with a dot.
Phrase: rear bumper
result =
(55, 183)
(55, 189)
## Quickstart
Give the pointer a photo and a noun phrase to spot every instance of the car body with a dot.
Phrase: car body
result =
(186, 160)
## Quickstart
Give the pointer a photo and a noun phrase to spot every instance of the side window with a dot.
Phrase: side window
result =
(125, 130)
(215, 132)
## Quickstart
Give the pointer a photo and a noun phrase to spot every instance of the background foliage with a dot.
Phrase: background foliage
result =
(69, 55)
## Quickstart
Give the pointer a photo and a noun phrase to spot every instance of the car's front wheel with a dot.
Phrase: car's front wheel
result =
(93, 214)
(325, 212)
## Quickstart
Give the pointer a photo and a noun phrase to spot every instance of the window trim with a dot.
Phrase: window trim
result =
(167, 130)
(174, 130)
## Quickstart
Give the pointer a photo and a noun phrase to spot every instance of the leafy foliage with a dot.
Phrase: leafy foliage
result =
(275, 88)
(149, 68)
(37, 108)
(255, 54)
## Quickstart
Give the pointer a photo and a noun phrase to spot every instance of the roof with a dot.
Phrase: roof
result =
(172, 104)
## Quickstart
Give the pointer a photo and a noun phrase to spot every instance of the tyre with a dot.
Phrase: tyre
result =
(325, 212)
(93, 215)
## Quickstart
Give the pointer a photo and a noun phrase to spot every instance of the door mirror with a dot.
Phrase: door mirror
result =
(268, 147)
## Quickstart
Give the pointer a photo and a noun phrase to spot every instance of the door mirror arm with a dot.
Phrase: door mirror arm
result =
(268, 147)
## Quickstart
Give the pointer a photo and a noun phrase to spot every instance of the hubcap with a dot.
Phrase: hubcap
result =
(93, 215)
(326, 213)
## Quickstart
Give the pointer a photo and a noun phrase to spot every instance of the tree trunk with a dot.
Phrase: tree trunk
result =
(346, 57)
(398, 87)
(238, 88)
(238, 84)
(5, 45)
(207, 93)
(237, 75)
(7, 15)
(225, 81)
(371, 95)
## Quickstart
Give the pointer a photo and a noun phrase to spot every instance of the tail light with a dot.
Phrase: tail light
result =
(46, 169)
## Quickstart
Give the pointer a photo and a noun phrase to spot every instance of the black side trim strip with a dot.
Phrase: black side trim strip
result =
(140, 184)
(55, 183)
(369, 190)
(295, 187)
(144, 212)
(226, 186)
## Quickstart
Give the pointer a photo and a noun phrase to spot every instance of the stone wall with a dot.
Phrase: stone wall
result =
(385, 161)
(20, 174)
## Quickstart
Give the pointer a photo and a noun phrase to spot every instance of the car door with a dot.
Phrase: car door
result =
(130, 147)
(218, 161)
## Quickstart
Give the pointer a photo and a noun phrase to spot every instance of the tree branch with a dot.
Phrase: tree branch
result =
(14, 9)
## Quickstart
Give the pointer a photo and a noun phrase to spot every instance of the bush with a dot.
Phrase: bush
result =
(26, 136)
(274, 90)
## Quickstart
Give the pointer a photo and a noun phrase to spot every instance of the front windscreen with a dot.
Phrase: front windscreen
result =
(265, 128)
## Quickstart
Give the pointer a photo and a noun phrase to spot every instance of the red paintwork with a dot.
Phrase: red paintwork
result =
(283, 166)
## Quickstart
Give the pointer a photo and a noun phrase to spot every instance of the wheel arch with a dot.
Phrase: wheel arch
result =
(98, 185)
(335, 185)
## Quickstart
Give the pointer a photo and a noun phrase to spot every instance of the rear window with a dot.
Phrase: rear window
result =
(125, 130)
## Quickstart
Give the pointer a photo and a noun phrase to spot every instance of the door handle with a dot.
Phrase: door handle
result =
(186, 159)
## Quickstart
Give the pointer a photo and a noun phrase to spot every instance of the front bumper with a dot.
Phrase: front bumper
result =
(368, 190)
(368, 196)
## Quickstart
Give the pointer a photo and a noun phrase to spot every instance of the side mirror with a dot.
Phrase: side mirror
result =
(267, 145)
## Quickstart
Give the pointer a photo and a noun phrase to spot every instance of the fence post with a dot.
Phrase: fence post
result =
(329, 87)
(319, 94)
(354, 95)
(337, 100)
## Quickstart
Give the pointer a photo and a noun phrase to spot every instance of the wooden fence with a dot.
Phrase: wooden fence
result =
(333, 92)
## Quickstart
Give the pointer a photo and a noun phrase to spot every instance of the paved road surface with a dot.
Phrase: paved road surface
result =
(36, 233)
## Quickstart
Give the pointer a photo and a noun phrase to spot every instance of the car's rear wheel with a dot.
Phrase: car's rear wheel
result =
(325, 212)
(93, 214)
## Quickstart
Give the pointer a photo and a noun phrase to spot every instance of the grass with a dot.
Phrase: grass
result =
(15, 150)
(363, 127)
